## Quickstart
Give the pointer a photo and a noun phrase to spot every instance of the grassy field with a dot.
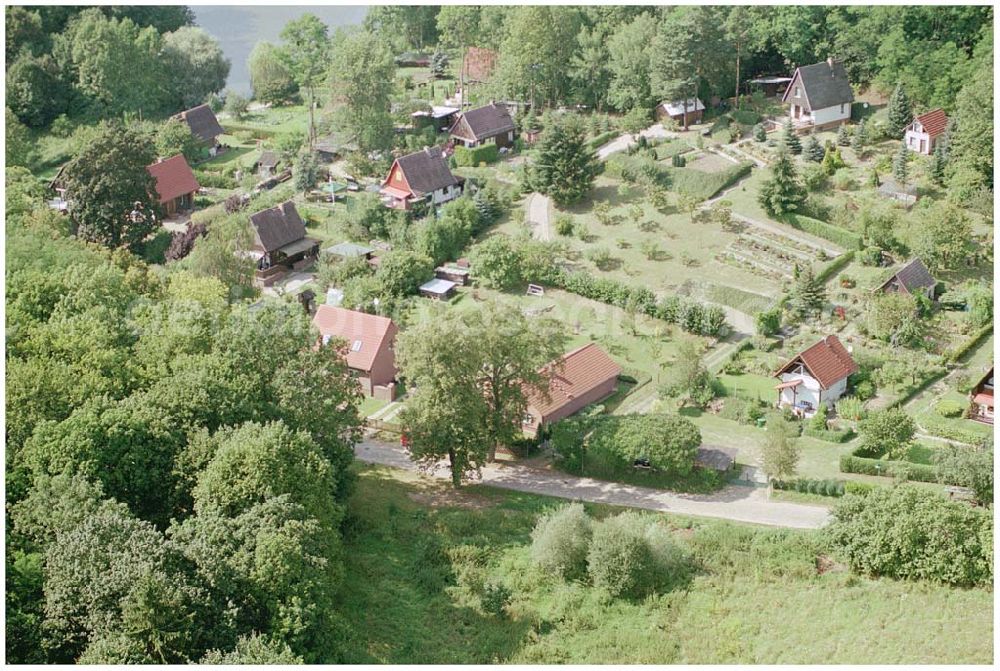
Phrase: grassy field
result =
(416, 550)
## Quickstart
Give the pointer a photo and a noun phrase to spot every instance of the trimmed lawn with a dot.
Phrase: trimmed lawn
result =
(416, 549)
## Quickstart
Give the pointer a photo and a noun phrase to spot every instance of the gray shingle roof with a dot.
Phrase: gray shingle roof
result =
(489, 120)
(278, 226)
(268, 159)
(349, 249)
(426, 170)
(914, 275)
(202, 122)
(826, 86)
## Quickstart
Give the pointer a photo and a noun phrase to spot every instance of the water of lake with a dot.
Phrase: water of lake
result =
(238, 29)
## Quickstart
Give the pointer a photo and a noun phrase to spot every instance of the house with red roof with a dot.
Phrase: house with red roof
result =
(816, 376)
(922, 133)
(370, 342)
(175, 184)
(576, 379)
(981, 400)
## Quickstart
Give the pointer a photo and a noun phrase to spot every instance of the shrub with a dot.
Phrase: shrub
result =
(829, 435)
(850, 407)
(564, 224)
(887, 432)
(909, 533)
(818, 487)
(678, 161)
(856, 487)
(560, 539)
(949, 408)
(466, 157)
(904, 470)
(495, 598)
(843, 180)
(567, 444)
(619, 560)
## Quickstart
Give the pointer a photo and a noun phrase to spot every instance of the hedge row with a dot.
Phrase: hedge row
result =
(689, 314)
(821, 229)
(828, 435)
(950, 430)
(807, 486)
(466, 157)
(603, 138)
(971, 343)
(850, 463)
(704, 185)
(835, 266)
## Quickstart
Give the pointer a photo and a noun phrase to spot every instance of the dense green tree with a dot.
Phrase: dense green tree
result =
(781, 193)
(971, 158)
(939, 164)
(674, 71)
(843, 136)
(535, 54)
(174, 137)
(689, 379)
(559, 541)
(256, 649)
(943, 239)
(972, 468)
(362, 81)
(401, 272)
(589, 68)
(270, 77)
(900, 112)
(779, 450)
(305, 170)
(806, 295)
(628, 60)
(860, 139)
(565, 166)
(443, 238)
(669, 442)
(36, 93)
(497, 262)
(195, 66)
(306, 49)
(893, 317)
(404, 26)
(887, 432)
(106, 179)
(18, 147)
(759, 134)
(23, 31)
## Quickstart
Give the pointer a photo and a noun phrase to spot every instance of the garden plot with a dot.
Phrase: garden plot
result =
(767, 254)
(708, 162)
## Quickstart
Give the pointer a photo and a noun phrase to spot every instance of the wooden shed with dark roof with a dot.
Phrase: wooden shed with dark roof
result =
(421, 176)
(816, 376)
(176, 184)
(280, 239)
(203, 124)
(911, 279)
(575, 380)
(489, 123)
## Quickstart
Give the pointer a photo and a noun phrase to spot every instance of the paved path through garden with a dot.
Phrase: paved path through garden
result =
(737, 503)
(626, 140)
(538, 216)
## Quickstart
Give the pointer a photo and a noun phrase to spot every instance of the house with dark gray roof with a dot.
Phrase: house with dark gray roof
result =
(203, 124)
(819, 96)
(423, 176)
(490, 123)
(267, 163)
(911, 279)
(280, 241)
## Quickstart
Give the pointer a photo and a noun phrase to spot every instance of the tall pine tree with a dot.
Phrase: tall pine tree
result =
(900, 113)
(939, 164)
(860, 139)
(790, 139)
(565, 166)
(813, 150)
(843, 138)
(806, 295)
(782, 193)
(900, 170)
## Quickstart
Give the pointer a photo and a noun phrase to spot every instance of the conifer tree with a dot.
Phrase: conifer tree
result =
(790, 139)
(900, 114)
(782, 193)
(899, 167)
(565, 167)
(806, 295)
(843, 138)
(759, 133)
(813, 150)
(939, 164)
(859, 140)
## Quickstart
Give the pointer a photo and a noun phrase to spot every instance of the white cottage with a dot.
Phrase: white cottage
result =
(817, 375)
(819, 96)
(922, 133)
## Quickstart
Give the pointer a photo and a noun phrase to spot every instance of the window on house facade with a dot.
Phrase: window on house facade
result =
(527, 419)
(841, 108)
(798, 92)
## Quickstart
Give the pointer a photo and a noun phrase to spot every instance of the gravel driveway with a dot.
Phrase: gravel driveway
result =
(623, 142)
(538, 216)
(738, 503)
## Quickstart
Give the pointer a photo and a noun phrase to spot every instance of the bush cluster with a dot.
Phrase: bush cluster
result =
(829, 435)
(949, 408)
(628, 555)
(904, 470)
(808, 486)
(470, 157)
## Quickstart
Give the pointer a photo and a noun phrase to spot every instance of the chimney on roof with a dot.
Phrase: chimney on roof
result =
(829, 61)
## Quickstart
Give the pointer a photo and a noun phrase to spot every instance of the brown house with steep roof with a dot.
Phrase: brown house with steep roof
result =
(819, 96)
(421, 176)
(280, 241)
(370, 342)
(922, 133)
(817, 375)
(203, 125)
(176, 184)
(576, 379)
(911, 279)
(489, 123)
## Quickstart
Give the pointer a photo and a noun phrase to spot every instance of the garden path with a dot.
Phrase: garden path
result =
(735, 502)
(626, 140)
(539, 207)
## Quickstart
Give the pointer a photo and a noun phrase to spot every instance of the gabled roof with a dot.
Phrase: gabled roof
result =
(675, 107)
(487, 121)
(348, 249)
(572, 375)
(277, 226)
(365, 334)
(826, 84)
(426, 171)
(173, 178)
(827, 361)
(202, 122)
(913, 276)
(933, 122)
(478, 64)
(268, 159)
(985, 381)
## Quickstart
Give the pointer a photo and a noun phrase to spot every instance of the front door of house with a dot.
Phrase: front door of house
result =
(796, 111)
(923, 146)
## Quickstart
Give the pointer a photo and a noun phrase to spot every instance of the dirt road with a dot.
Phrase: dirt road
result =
(737, 503)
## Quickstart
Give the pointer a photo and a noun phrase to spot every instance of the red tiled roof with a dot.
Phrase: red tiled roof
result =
(934, 122)
(827, 361)
(173, 178)
(983, 399)
(365, 334)
(573, 375)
